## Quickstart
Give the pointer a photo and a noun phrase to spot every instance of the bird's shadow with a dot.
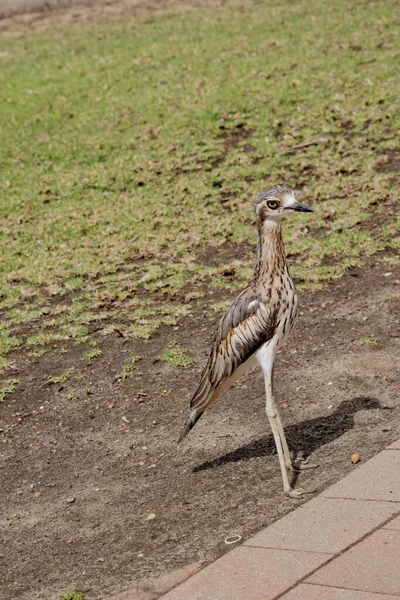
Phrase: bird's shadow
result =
(305, 436)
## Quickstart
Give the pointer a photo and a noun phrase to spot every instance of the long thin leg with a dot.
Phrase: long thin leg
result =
(302, 464)
(281, 432)
(281, 445)
(265, 357)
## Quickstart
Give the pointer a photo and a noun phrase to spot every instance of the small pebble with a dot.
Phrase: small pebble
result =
(151, 517)
(355, 458)
(234, 505)
(71, 500)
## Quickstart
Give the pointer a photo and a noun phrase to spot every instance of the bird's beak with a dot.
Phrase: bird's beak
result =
(301, 207)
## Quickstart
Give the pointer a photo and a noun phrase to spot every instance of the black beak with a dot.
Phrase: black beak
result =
(301, 207)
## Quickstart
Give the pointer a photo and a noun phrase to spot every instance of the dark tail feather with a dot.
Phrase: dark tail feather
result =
(189, 423)
(201, 399)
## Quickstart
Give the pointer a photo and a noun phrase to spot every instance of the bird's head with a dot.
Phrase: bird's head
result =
(275, 203)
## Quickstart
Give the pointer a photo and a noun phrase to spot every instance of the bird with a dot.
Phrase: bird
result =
(256, 324)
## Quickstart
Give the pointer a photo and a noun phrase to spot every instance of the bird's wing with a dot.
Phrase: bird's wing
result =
(247, 324)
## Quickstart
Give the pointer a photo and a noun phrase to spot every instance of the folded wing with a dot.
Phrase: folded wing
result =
(243, 329)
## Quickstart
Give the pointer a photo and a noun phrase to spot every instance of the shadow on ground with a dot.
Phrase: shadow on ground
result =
(304, 437)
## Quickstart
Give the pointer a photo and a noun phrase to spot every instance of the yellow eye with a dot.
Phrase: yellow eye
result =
(272, 204)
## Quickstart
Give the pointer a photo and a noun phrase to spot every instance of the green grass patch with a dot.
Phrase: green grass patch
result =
(128, 367)
(393, 298)
(72, 595)
(7, 388)
(92, 353)
(37, 352)
(3, 363)
(61, 378)
(41, 339)
(369, 341)
(147, 320)
(7, 342)
(177, 356)
(135, 148)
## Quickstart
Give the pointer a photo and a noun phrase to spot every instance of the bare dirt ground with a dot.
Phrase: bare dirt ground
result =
(15, 7)
(80, 477)
(20, 14)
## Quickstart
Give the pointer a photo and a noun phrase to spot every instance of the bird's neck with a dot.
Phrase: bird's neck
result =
(271, 260)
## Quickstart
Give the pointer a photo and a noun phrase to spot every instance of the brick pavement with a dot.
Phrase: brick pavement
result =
(342, 545)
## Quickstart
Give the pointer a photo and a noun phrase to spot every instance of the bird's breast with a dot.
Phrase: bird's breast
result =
(287, 316)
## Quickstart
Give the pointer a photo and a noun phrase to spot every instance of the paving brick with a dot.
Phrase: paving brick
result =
(304, 591)
(377, 479)
(373, 565)
(394, 524)
(152, 588)
(248, 573)
(324, 525)
(395, 446)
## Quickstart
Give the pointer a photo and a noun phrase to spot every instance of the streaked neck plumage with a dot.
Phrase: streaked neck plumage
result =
(271, 261)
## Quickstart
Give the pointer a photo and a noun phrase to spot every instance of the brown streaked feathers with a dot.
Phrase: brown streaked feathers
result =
(244, 328)
(266, 308)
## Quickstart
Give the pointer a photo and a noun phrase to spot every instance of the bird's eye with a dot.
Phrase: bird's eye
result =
(272, 204)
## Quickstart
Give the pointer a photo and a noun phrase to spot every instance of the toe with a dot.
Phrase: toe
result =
(299, 492)
(306, 465)
(295, 493)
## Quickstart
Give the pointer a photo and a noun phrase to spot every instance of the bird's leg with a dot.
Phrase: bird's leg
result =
(281, 432)
(300, 465)
(279, 436)
(286, 452)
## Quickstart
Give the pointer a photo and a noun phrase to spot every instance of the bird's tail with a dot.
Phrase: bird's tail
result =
(189, 423)
(204, 395)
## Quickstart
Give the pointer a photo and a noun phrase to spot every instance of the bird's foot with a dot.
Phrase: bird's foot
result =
(299, 492)
(303, 465)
